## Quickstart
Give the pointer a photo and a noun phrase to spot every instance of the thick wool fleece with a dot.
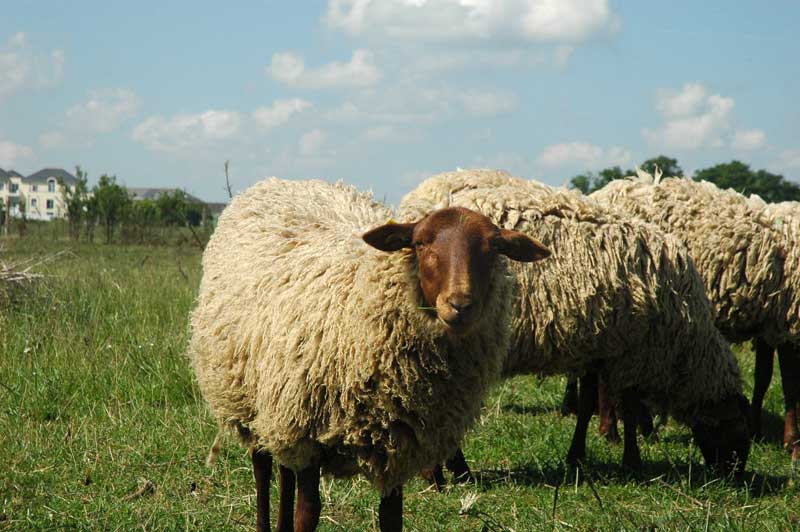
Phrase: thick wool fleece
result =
(742, 259)
(615, 296)
(318, 348)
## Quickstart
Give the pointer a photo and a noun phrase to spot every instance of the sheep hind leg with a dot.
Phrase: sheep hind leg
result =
(309, 504)
(435, 477)
(569, 404)
(631, 458)
(586, 399)
(262, 471)
(286, 500)
(458, 466)
(789, 360)
(608, 415)
(763, 375)
(390, 512)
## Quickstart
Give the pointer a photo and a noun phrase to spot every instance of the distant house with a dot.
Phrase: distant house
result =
(39, 196)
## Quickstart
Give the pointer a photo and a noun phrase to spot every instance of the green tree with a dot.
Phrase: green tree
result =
(741, 178)
(113, 203)
(589, 182)
(75, 199)
(172, 208)
(668, 166)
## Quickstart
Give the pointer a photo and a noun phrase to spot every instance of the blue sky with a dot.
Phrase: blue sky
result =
(381, 93)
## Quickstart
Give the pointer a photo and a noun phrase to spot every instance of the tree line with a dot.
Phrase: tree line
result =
(111, 208)
(735, 175)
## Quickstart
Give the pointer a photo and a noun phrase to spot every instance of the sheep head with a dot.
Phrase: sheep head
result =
(456, 250)
(725, 445)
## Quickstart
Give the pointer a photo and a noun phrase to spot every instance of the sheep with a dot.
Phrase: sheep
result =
(750, 269)
(623, 300)
(320, 349)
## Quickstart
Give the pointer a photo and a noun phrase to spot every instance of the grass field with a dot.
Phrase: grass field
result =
(103, 428)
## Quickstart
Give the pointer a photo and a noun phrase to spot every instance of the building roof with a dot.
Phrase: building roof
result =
(14, 173)
(44, 174)
(3, 175)
(143, 193)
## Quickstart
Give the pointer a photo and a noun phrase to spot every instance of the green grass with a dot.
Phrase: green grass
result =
(96, 398)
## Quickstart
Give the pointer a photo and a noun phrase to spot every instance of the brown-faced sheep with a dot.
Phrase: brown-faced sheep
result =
(328, 354)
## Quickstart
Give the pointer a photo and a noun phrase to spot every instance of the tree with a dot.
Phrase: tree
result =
(589, 182)
(75, 199)
(668, 166)
(172, 208)
(113, 203)
(741, 178)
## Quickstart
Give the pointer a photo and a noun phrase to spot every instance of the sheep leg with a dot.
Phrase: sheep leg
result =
(789, 360)
(435, 477)
(390, 512)
(458, 466)
(286, 500)
(608, 415)
(645, 421)
(632, 407)
(309, 505)
(262, 471)
(569, 405)
(586, 398)
(762, 377)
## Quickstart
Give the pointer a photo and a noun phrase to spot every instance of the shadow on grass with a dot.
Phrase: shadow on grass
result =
(607, 473)
(533, 410)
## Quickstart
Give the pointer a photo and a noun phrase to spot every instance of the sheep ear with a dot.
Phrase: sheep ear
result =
(390, 237)
(519, 246)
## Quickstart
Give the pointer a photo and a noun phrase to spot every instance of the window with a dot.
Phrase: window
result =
(50, 204)
(33, 202)
(13, 187)
(34, 188)
(1, 186)
(51, 185)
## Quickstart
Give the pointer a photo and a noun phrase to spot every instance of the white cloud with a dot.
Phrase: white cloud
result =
(694, 119)
(582, 155)
(186, 131)
(105, 110)
(52, 139)
(23, 68)
(487, 103)
(279, 112)
(11, 153)
(750, 139)
(311, 142)
(789, 160)
(290, 68)
(528, 20)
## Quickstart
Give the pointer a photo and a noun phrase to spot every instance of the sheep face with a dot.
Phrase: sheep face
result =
(456, 250)
(726, 445)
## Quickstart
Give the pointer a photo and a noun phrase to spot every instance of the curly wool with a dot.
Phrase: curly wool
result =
(615, 295)
(742, 259)
(314, 346)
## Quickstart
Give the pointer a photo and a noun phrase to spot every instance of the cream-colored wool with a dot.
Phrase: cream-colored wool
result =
(748, 274)
(314, 346)
(615, 295)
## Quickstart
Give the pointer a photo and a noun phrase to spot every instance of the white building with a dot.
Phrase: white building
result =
(40, 195)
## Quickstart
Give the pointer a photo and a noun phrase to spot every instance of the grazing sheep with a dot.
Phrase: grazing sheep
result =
(326, 353)
(749, 261)
(621, 299)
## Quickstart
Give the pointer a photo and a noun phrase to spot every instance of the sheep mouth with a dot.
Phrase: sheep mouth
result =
(456, 325)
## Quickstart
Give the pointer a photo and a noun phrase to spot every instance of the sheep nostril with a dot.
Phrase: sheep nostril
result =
(460, 303)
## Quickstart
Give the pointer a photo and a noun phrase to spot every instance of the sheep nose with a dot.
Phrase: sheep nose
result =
(460, 303)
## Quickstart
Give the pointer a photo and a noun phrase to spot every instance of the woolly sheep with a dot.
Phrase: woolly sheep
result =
(618, 297)
(325, 353)
(751, 270)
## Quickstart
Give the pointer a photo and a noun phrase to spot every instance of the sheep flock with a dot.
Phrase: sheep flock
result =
(338, 336)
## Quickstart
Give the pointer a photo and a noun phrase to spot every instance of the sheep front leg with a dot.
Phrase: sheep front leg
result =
(763, 374)
(390, 513)
(586, 399)
(262, 471)
(286, 500)
(569, 405)
(789, 360)
(309, 505)
(630, 415)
